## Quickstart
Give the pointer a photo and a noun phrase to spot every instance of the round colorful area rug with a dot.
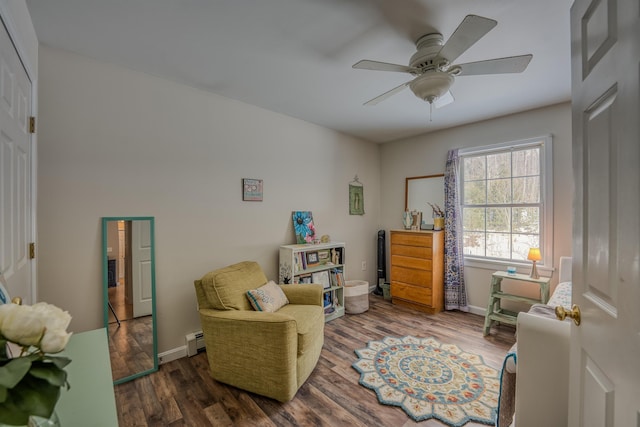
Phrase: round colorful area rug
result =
(430, 380)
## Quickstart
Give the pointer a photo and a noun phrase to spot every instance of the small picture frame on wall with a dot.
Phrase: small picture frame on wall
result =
(251, 190)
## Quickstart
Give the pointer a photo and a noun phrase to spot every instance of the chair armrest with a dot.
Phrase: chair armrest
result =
(251, 350)
(253, 333)
(308, 294)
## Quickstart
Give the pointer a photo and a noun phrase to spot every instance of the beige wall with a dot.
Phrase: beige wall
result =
(427, 155)
(115, 142)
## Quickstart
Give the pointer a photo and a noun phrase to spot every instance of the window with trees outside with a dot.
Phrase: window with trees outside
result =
(506, 201)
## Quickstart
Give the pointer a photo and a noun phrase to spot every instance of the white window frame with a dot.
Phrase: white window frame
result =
(546, 232)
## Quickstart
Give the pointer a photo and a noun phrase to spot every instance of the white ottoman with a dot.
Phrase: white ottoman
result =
(356, 296)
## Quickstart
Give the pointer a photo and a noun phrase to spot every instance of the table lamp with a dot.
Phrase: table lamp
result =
(534, 256)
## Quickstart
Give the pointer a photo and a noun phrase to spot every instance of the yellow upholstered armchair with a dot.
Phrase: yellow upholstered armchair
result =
(267, 353)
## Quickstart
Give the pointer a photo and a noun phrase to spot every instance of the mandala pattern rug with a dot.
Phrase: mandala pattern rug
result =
(428, 379)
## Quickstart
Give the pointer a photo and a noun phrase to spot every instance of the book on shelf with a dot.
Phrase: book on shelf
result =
(321, 277)
(297, 265)
(302, 259)
(303, 278)
(337, 277)
(329, 303)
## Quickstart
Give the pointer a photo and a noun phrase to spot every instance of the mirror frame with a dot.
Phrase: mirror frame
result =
(424, 177)
(105, 288)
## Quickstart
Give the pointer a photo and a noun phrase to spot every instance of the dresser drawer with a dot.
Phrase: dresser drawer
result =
(412, 276)
(411, 262)
(412, 239)
(411, 293)
(412, 251)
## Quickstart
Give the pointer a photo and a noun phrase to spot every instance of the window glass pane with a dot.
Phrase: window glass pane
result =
(502, 210)
(473, 219)
(475, 193)
(499, 165)
(498, 191)
(522, 243)
(526, 162)
(499, 219)
(473, 243)
(526, 190)
(526, 220)
(474, 168)
(499, 245)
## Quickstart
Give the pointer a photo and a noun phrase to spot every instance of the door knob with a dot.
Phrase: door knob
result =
(574, 313)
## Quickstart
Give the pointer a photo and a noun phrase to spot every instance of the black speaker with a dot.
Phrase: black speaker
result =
(382, 263)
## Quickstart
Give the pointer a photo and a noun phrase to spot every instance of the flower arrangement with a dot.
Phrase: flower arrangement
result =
(437, 212)
(30, 378)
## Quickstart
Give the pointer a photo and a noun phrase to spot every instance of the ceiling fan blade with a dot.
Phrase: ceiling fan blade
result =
(445, 99)
(387, 94)
(511, 64)
(471, 29)
(366, 64)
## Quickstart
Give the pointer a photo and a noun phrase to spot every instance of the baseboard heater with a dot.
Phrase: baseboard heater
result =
(195, 343)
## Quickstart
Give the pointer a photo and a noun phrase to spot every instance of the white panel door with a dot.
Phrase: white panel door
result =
(605, 348)
(141, 266)
(15, 172)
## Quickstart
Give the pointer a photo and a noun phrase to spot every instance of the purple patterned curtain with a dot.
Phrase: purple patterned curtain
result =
(455, 292)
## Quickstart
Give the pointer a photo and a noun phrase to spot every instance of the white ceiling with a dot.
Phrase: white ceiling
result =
(295, 56)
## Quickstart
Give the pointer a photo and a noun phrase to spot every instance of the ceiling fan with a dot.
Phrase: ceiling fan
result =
(432, 67)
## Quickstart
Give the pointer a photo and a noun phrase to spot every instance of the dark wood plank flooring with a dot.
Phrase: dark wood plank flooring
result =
(131, 346)
(182, 393)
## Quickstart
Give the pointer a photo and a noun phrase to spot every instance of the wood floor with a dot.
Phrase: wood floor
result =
(131, 346)
(182, 393)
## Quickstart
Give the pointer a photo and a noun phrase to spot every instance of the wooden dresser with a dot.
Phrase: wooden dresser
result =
(417, 269)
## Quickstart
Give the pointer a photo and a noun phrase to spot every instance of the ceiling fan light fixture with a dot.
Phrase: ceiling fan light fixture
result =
(431, 86)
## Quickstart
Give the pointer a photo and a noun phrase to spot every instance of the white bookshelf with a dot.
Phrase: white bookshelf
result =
(317, 263)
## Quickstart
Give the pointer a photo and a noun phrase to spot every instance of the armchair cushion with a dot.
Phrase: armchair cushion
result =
(269, 297)
(226, 287)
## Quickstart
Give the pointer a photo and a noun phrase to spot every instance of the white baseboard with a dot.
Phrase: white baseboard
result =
(481, 311)
(173, 354)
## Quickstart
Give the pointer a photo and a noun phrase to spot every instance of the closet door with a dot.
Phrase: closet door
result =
(15, 172)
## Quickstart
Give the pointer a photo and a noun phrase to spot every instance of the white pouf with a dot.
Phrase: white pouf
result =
(356, 296)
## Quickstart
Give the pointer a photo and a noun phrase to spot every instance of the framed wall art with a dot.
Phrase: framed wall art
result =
(251, 190)
(356, 197)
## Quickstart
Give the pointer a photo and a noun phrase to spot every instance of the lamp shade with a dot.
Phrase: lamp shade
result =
(534, 254)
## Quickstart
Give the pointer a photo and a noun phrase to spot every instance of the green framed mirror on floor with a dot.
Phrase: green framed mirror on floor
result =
(128, 260)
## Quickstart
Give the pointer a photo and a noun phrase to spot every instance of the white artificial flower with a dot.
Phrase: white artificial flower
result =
(53, 316)
(56, 321)
(54, 340)
(21, 324)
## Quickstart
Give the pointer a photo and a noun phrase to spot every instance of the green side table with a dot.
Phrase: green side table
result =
(495, 313)
(90, 402)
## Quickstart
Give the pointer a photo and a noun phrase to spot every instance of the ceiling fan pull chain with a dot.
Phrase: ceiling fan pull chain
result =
(430, 111)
